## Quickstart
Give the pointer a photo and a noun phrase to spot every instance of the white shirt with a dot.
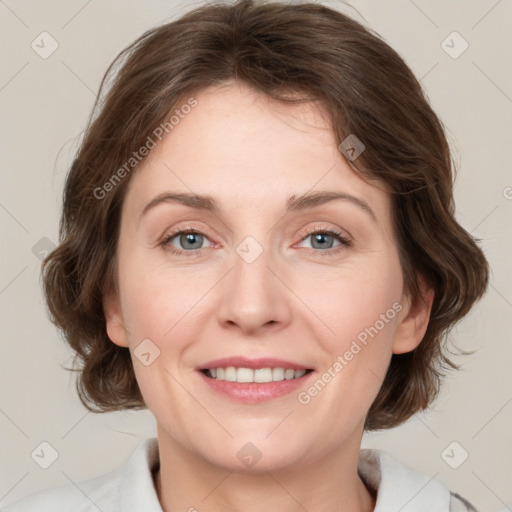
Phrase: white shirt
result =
(130, 488)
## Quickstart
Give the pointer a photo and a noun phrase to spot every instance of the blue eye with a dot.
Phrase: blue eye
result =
(191, 241)
(323, 239)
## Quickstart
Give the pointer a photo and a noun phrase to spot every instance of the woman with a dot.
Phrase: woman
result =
(258, 132)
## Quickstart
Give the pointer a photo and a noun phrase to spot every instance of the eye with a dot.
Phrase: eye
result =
(189, 241)
(323, 239)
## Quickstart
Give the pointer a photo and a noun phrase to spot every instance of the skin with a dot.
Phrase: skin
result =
(293, 302)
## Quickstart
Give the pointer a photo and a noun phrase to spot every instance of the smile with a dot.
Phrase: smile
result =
(258, 375)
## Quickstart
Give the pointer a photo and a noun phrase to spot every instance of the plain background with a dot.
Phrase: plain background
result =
(45, 104)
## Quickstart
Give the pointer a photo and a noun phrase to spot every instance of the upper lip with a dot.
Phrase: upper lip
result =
(245, 362)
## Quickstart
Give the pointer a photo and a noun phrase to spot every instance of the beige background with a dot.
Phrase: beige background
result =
(44, 106)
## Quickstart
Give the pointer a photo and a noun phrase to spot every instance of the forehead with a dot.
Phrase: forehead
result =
(248, 150)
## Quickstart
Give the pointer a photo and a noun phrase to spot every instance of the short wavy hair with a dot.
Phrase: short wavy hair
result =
(320, 55)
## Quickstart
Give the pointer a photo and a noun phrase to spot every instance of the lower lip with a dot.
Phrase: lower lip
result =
(250, 392)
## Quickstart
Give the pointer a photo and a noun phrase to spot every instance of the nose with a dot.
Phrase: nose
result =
(254, 296)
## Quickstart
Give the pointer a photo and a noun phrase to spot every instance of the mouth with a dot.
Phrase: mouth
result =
(254, 375)
(253, 381)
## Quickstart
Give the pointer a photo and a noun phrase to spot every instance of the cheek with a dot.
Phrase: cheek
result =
(161, 303)
(146, 294)
(362, 309)
(364, 327)
(355, 299)
(145, 308)
(359, 314)
(159, 308)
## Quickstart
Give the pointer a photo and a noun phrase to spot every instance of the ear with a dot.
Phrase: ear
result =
(114, 319)
(414, 323)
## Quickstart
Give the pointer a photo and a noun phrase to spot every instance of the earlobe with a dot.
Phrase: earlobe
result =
(113, 318)
(413, 326)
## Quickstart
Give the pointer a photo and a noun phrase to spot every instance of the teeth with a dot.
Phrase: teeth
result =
(277, 374)
(260, 375)
(244, 375)
(230, 374)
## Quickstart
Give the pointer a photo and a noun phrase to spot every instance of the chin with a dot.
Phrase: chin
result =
(243, 455)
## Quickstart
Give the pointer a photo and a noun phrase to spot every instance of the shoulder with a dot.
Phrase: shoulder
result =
(92, 495)
(84, 497)
(123, 489)
(399, 487)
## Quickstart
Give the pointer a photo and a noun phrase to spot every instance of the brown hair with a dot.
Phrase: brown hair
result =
(276, 48)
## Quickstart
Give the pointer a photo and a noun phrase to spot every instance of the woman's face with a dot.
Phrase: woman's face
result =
(266, 274)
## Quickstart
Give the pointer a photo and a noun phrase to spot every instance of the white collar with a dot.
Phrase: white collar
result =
(397, 486)
(130, 488)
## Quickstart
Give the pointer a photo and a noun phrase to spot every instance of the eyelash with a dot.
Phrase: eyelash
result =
(344, 242)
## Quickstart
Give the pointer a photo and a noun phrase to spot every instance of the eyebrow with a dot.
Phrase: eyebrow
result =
(294, 203)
